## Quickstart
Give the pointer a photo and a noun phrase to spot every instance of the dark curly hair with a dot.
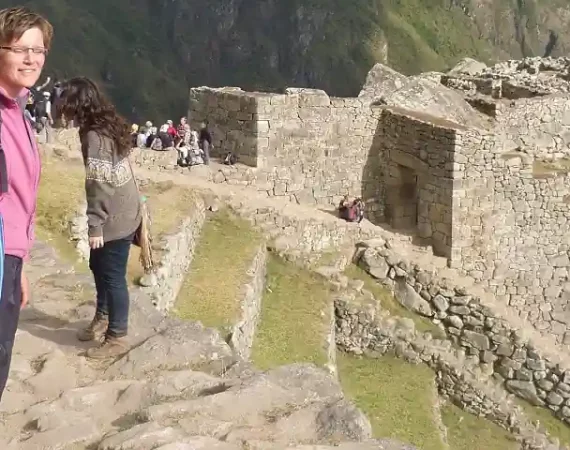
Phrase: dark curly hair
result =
(83, 101)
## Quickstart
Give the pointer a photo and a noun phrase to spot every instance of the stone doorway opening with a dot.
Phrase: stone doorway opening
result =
(402, 199)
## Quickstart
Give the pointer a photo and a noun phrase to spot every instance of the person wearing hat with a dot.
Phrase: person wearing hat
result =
(43, 115)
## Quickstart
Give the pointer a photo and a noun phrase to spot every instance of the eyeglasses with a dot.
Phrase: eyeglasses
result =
(26, 50)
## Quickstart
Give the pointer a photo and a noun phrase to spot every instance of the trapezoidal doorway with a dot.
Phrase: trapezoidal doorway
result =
(401, 207)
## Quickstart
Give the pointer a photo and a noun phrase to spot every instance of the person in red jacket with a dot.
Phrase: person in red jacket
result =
(172, 130)
(25, 39)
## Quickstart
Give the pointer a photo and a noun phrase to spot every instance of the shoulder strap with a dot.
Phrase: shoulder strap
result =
(3, 166)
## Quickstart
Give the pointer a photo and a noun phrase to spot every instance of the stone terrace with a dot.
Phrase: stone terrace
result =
(473, 163)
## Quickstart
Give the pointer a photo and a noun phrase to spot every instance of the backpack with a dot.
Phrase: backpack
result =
(40, 108)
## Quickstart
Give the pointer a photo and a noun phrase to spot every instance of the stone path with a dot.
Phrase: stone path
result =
(180, 387)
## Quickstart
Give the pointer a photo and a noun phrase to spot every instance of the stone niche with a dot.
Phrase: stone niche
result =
(401, 208)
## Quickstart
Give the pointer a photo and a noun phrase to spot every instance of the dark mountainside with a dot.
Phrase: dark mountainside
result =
(147, 52)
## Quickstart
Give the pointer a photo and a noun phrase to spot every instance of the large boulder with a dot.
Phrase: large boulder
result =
(428, 96)
(382, 80)
(468, 66)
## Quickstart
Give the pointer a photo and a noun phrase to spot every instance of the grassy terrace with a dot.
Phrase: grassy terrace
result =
(294, 317)
(468, 432)
(168, 205)
(548, 422)
(60, 194)
(225, 251)
(396, 396)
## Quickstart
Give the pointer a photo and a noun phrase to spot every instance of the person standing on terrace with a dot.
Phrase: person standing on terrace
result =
(25, 39)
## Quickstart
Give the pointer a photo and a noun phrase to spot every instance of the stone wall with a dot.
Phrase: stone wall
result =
(243, 331)
(529, 365)
(177, 253)
(232, 117)
(307, 146)
(313, 149)
(364, 329)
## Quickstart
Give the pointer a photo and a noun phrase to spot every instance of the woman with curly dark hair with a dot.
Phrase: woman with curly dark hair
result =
(113, 209)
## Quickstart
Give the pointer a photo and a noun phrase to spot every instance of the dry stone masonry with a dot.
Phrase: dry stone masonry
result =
(475, 163)
(527, 368)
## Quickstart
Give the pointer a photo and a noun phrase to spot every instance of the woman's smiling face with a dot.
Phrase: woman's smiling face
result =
(22, 70)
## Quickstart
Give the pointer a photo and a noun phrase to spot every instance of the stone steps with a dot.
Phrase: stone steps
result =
(180, 386)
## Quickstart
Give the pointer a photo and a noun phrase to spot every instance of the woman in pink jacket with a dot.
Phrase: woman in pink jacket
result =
(25, 38)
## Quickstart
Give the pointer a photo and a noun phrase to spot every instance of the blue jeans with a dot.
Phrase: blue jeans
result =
(9, 313)
(109, 267)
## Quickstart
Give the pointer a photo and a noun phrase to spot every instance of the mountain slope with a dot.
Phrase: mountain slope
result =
(147, 52)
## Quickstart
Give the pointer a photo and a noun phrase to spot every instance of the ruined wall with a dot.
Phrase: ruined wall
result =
(231, 114)
(540, 126)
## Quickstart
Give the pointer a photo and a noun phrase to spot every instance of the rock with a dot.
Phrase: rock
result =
(148, 280)
(374, 264)
(454, 321)
(200, 443)
(242, 405)
(554, 399)
(343, 420)
(409, 298)
(525, 390)
(468, 66)
(185, 345)
(441, 303)
(147, 436)
(56, 375)
(476, 340)
(381, 80)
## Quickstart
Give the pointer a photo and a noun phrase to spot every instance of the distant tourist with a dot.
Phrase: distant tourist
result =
(113, 210)
(134, 134)
(172, 130)
(183, 131)
(25, 38)
(351, 211)
(141, 138)
(43, 114)
(205, 141)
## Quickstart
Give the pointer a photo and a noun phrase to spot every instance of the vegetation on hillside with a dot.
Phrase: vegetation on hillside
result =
(147, 52)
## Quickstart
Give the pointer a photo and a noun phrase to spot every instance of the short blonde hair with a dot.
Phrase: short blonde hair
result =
(14, 22)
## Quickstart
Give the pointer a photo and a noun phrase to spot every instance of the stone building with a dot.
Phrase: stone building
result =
(474, 163)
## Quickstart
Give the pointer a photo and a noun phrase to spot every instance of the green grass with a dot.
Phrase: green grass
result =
(396, 396)
(114, 42)
(294, 316)
(389, 303)
(60, 193)
(548, 421)
(225, 251)
(468, 432)
(168, 205)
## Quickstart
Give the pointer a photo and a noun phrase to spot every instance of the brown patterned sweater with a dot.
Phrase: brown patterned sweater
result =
(113, 200)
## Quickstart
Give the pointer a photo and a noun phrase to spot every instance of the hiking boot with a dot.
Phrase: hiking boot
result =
(112, 347)
(95, 330)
